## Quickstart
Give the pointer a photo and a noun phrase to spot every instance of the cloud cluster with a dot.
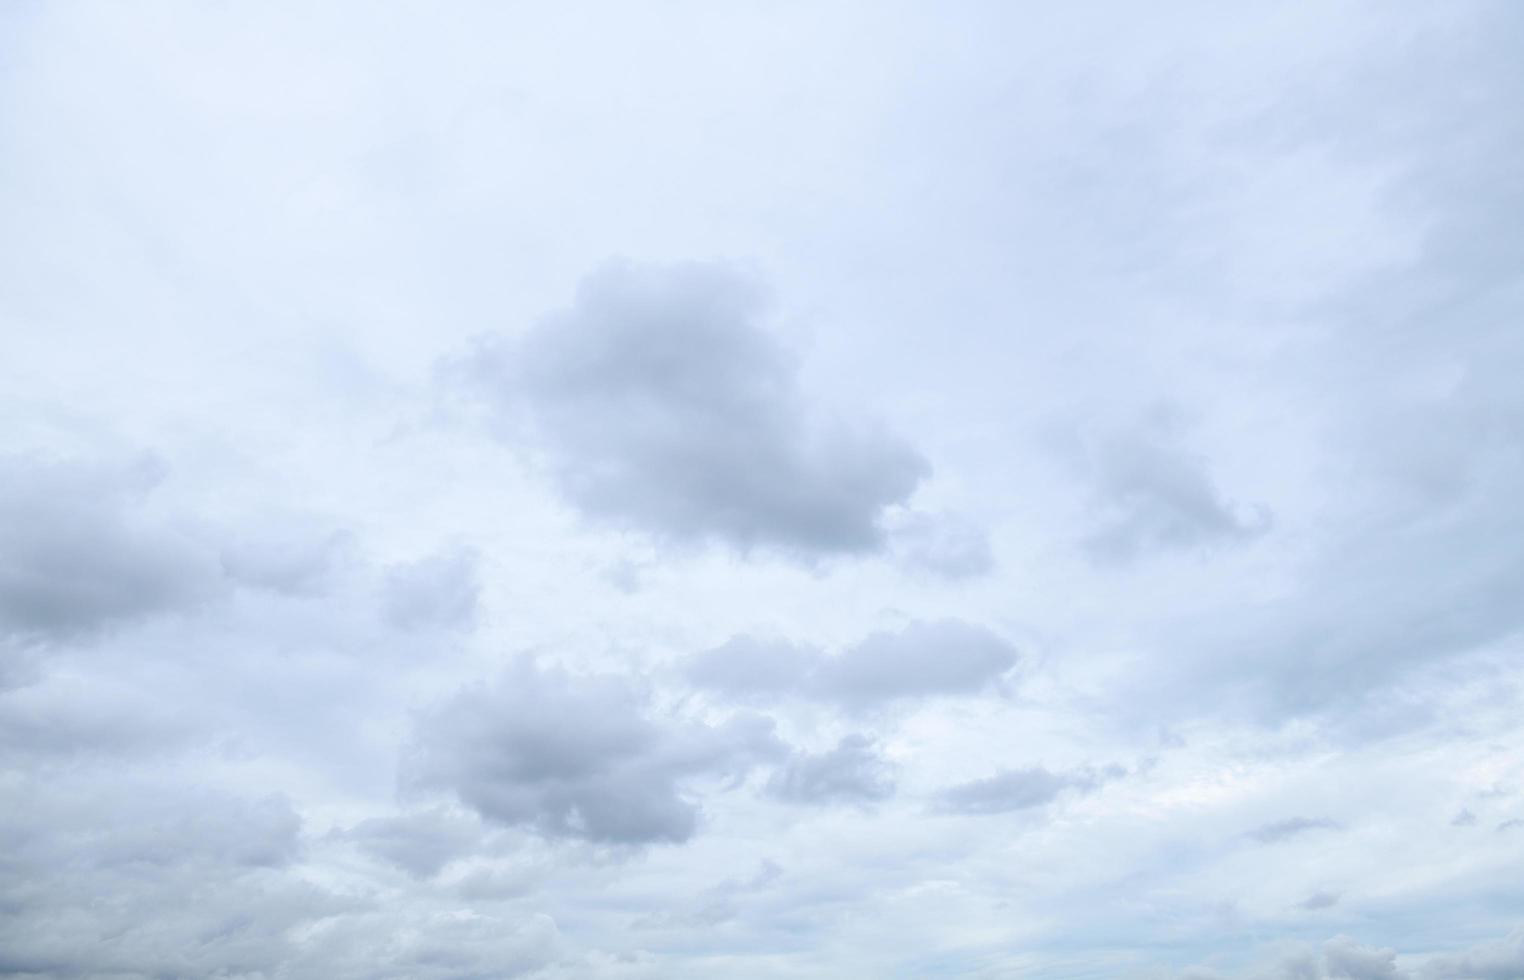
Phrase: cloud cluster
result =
(577, 756)
(664, 406)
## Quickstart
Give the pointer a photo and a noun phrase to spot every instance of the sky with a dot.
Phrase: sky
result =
(762, 490)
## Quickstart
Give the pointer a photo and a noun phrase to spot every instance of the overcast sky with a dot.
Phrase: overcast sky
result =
(784, 490)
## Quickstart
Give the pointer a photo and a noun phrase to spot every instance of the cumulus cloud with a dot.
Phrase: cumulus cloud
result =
(663, 405)
(80, 549)
(852, 772)
(923, 659)
(577, 756)
(1020, 789)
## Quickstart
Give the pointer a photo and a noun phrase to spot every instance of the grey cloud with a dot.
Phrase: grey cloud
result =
(1507, 825)
(1465, 818)
(143, 880)
(1500, 960)
(852, 772)
(577, 757)
(1349, 960)
(662, 405)
(80, 550)
(745, 666)
(63, 721)
(942, 657)
(286, 557)
(1345, 958)
(1019, 789)
(945, 657)
(1319, 900)
(1283, 830)
(439, 591)
(1152, 495)
(420, 843)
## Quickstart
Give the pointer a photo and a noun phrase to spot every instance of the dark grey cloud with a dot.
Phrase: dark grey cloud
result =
(1319, 900)
(1283, 830)
(923, 659)
(1150, 494)
(852, 772)
(1019, 789)
(578, 757)
(80, 549)
(439, 591)
(661, 404)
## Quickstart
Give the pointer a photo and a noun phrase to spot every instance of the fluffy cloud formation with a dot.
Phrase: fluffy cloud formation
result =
(923, 659)
(577, 757)
(662, 405)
